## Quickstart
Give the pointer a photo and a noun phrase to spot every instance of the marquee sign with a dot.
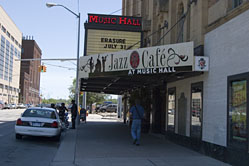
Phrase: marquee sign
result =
(151, 60)
(111, 33)
(101, 19)
(102, 41)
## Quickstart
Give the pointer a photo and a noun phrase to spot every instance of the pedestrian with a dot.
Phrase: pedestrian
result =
(53, 106)
(73, 113)
(62, 110)
(137, 114)
(83, 114)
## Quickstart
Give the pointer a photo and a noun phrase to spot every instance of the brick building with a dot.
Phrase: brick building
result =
(30, 75)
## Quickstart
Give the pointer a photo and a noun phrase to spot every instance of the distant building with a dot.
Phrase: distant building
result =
(10, 50)
(30, 75)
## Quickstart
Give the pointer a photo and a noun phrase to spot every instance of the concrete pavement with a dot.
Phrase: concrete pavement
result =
(107, 142)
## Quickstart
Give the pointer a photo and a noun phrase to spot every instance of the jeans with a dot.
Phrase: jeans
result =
(136, 130)
(73, 121)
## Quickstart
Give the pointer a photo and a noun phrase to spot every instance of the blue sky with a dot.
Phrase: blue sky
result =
(55, 31)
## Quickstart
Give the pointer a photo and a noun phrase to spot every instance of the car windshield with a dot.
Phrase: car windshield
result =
(40, 113)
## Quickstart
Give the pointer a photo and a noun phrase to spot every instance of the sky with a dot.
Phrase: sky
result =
(55, 30)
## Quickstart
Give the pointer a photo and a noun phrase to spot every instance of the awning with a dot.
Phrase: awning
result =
(119, 85)
(120, 72)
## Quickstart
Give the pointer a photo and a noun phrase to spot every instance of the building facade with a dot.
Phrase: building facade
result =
(30, 75)
(208, 112)
(10, 50)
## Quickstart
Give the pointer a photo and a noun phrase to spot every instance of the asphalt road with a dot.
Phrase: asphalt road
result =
(37, 151)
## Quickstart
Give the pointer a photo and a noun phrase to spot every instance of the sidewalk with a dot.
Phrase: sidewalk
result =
(106, 142)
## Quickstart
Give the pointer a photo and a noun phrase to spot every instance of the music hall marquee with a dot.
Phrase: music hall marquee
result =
(118, 72)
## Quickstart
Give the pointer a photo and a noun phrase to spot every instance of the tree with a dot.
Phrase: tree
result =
(51, 100)
(72, 90)
(91, 97)
(95, 98)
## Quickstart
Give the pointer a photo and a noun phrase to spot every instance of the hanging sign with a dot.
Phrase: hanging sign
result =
(201, 63)
(151, 60)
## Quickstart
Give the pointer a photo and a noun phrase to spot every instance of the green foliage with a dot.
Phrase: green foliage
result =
(95, 98)
(91, 97)
(49, 101)
(114, 101)
(72, 90)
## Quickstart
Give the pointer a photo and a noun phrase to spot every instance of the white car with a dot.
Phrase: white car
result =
(36, 121)
(20, 106)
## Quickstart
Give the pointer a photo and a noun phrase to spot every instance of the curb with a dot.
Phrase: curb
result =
(65, 154)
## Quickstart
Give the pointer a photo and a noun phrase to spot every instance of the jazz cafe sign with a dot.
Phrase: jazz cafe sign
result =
(150, 60)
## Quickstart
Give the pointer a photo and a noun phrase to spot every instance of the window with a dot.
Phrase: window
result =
(7, 58)
(196, 110)
(171, 109)
(8, 34)
(11, 60)
(39, 113)
(2, 53)
(238, 111)
(18, 54)
(3, 29)
(236, 3)
(12, 38)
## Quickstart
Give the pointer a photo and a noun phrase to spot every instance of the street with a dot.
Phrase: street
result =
(27, 151)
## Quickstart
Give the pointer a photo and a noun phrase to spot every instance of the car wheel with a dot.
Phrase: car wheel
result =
(18, 136)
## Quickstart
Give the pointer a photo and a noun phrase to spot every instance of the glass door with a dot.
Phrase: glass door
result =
(171, 109)
(196, 110)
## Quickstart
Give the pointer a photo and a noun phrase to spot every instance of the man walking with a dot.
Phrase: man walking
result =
(73, 113)
(137, 114)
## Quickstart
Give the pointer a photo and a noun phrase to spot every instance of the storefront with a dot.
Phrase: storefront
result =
(147, 70)
(226, 89)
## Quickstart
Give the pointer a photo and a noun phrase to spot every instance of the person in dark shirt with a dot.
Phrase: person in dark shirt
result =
(53, 106)
(137, 114)
(73, 113)
(62, 110)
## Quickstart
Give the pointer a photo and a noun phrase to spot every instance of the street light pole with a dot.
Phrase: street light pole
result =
(78, 56)
(77, 72)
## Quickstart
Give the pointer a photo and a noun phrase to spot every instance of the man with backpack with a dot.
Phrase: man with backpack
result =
(137, 114)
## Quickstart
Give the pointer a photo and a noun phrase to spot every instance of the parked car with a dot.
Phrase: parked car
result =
(1, 104)
(12, 106)
(39, 122)
(109, 108)
(20, 106)
(6, 106)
